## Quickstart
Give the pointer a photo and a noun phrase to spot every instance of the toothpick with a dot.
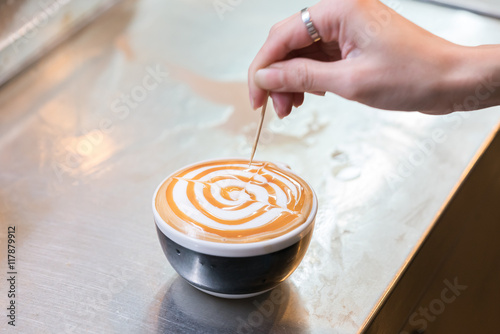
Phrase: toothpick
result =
(257, 135)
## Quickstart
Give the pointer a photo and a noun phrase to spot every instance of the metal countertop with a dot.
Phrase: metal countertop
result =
(89, 131)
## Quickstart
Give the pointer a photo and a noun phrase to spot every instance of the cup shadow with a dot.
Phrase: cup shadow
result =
(184, 309)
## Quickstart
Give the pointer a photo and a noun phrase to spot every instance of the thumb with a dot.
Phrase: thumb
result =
(305, 75)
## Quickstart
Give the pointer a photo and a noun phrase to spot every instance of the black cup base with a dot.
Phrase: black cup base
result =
(234, 275)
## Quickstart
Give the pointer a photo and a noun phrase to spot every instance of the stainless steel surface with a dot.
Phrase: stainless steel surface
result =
(88, 132)
(30, 28)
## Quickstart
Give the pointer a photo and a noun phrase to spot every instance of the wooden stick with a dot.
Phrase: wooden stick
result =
(257, 135)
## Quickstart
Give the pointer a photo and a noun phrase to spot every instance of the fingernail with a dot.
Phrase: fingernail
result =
(277, 110)
(268, 78)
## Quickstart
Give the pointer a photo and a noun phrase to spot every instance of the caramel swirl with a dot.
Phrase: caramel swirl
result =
(232, 202)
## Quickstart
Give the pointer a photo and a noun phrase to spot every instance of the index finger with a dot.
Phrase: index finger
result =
(284, 37)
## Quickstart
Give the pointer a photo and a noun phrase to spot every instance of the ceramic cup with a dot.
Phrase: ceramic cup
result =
(235, 270)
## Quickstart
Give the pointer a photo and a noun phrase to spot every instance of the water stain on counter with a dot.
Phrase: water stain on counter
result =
(342, 168)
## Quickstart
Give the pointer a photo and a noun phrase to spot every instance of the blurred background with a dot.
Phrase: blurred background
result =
(101, 99)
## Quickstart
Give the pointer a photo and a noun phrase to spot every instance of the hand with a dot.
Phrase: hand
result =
(370, 54)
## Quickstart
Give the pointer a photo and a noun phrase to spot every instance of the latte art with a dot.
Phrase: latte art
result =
(232, 202)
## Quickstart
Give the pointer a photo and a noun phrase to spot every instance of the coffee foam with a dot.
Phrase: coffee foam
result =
(229, 201)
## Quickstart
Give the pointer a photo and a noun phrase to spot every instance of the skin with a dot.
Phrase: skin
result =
(370, 54)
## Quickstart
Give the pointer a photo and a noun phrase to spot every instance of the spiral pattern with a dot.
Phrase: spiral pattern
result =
(230, 201)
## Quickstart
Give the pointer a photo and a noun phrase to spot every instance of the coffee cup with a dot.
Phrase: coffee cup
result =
(234, 230)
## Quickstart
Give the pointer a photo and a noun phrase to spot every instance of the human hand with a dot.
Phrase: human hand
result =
(370, 54)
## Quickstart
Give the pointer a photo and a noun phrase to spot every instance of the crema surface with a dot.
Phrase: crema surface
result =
(229, 201)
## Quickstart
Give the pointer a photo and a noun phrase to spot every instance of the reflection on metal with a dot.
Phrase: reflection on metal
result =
(279, 310)
(29, 29)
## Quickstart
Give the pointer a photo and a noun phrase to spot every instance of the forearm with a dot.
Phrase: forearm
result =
(477, 85)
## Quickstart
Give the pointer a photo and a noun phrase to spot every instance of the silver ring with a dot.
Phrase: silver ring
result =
(306, 18)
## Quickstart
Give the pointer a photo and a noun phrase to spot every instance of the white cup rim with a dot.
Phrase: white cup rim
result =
(235, 249)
